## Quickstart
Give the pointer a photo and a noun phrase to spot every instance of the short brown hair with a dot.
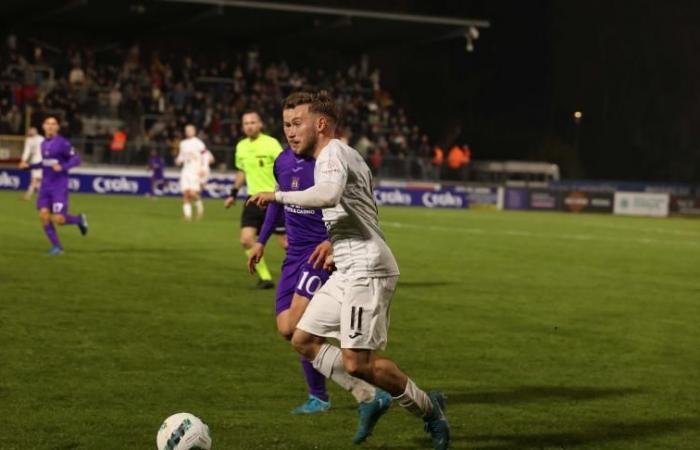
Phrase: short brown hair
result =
(319, 103)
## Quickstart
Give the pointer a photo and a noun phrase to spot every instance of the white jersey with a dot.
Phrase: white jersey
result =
(191, 155)
(32, 149)
(359, 248)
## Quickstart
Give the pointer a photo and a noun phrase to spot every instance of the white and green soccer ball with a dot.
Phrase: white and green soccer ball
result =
(183, 431)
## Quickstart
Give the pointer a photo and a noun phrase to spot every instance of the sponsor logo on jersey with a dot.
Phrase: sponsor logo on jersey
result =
(9, 181)
(295, 183)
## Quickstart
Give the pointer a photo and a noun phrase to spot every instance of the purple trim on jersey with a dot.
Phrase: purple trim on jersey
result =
(298, 277)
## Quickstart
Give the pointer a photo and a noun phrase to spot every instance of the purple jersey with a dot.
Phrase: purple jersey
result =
(156, 164)
(57, 150)
(305, 227)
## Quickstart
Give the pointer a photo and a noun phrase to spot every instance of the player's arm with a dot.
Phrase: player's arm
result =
(330, 183)
(72, 159)
(273, 215)
(26, 153)
(180, 156)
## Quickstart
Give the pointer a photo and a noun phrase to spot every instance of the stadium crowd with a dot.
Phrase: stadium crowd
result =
(143, 98)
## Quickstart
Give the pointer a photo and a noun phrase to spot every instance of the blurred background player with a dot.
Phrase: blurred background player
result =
(207, 161)
(58, 157)
(156, 165)
(255, 158)
(190, 158)
(32, 156)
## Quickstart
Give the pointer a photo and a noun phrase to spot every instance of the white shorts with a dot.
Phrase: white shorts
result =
(204, 178)
(353, 310)
(37, 173)
(190, 182)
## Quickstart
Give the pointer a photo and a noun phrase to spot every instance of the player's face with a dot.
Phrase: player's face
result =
(190, 131)
(287, 117)
(300, 129)
(50, 127)
(251, 125)
(31, 132)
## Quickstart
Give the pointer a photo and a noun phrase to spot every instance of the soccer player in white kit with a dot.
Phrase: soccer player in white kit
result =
(32, 155)
(191, 157)
(353, 306)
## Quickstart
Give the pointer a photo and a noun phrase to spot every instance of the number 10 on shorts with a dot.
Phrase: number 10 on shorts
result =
(309, 284)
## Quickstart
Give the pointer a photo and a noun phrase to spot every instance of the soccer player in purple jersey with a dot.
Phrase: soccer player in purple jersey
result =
(58, 157)
(304, 270)
(156, 165)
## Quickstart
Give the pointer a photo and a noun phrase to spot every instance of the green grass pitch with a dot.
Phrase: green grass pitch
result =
(545, 330)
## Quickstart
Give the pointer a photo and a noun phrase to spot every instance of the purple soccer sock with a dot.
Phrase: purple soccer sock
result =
(50, 231)
(315, 380)
(72, 220)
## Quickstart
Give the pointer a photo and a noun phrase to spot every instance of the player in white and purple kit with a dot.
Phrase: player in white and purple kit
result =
(308, 254)
(300, 279)
(58, 157)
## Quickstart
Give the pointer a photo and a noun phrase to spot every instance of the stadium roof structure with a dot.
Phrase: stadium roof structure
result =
(339, 24)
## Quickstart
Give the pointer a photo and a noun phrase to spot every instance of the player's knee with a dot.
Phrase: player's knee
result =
(246, 242)
(58, 219)
(355, 367)
(300, 342)
(286, 331)
(44, 217)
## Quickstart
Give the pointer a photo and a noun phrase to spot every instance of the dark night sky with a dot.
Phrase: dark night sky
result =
(631, 67)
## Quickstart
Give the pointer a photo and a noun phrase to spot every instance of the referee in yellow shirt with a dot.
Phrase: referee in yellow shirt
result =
(255, 159)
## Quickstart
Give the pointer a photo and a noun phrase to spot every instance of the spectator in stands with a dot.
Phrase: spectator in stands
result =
(455, 163)
(437, 161)
(118, 146)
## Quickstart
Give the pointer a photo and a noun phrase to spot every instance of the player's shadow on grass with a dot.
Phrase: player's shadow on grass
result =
(589, 435)
(525, 394)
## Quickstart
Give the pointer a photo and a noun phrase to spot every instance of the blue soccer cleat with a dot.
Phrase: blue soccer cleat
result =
(370, 413)
(83, 225)
(55, 251)
(312, 405)
(436, 423)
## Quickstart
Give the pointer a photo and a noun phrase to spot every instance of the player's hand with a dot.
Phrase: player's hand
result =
(57, 167)
(229, 201)
(328, 264)
(261, 199)
(320, 254)
(23, 165)
(256, 254)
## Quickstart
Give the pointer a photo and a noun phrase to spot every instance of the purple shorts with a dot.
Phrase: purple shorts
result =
(55, 200)
(298, 277)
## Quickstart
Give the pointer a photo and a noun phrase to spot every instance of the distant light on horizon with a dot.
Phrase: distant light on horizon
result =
(578, 115)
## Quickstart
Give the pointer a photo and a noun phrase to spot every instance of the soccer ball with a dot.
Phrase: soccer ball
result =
(183, 431)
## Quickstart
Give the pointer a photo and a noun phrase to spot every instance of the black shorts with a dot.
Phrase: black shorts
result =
(253, 216)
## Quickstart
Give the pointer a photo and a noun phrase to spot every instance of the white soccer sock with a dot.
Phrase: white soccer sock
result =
(329, 362)
(187, 210)
(415, 400)
(200, 207)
